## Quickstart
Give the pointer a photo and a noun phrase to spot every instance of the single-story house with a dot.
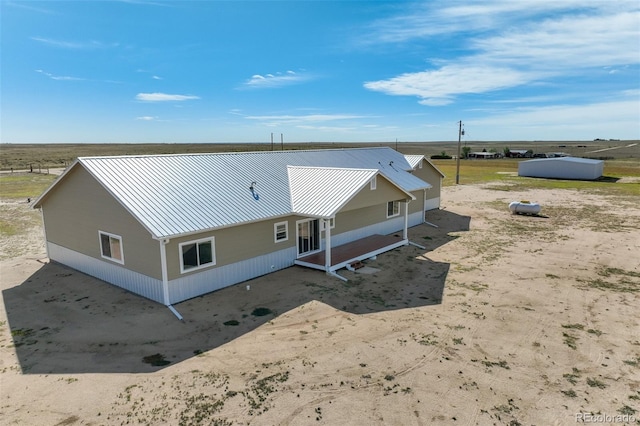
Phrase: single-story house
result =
(562, 168)
(173, 227)
(484, 155)
(519, 153)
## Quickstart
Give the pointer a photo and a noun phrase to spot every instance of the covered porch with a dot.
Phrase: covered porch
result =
(345, 254)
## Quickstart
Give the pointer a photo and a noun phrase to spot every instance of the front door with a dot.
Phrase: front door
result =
(308, 233)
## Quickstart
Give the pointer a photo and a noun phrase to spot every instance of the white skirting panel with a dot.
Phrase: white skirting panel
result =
(431, 203)
(213, 279)
(416, 219)
(135, 282)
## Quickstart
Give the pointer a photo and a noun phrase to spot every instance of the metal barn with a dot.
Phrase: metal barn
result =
(562, 168)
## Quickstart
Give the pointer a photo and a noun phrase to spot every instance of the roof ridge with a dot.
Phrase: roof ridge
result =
(292, 166)
(228, 153)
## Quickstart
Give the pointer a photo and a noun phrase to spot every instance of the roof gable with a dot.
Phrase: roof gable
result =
(322, 191)
(414, 161)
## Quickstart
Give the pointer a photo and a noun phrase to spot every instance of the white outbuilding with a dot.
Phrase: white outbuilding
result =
(562, 168)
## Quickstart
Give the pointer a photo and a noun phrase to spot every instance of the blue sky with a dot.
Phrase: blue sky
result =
(318, 71)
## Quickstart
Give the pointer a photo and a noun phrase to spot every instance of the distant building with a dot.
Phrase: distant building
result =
(485, 155)
(519, 153)
(562, 168)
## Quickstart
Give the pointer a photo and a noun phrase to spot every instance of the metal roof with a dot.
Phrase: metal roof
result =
(173, 195)
(323, 191)
(565, 160)
(413, 160)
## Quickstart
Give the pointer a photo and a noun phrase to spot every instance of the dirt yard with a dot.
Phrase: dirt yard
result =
(501, 319)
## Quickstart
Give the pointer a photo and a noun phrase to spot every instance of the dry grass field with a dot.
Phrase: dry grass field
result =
(21, 156)
(501, 320)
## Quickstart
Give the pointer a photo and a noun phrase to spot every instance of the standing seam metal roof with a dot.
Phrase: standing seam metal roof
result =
(180, 194)
(322, 191)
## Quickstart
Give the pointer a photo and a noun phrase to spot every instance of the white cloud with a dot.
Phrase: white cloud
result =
(26, 6)
(59, 77)
(569, 122)
(572, 42)
(163, 97)
(287, 78)
(92, 44)
(424, 20)
(568, 115)
(512, 44)
(146, 118)
(155, 77)
(297, 119)
(438, 87)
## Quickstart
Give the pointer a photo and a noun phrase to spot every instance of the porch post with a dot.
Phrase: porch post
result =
(406, 220)
(327, 243)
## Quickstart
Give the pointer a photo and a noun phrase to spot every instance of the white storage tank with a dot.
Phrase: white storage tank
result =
(524, 207)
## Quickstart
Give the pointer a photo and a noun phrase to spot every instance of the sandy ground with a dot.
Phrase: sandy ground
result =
(501, 319)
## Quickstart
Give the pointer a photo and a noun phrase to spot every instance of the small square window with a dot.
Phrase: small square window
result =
(393, 208)
(332, 224)
(197, 254)
(111, 247)
(281, 231)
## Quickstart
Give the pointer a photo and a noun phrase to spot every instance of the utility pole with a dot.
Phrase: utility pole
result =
(460, 133)
(272, 141)
(281, 142)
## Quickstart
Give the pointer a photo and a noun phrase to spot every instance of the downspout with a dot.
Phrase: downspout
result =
(406, 220)
(165, 278)
(424, 203)
(424, 213)
(44, 231)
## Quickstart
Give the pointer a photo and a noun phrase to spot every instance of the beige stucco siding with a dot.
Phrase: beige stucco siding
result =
(430, 175)
(236, 243)
(385, 191)
(242, 242)
(354, 219)
(417, 204)
(74, 212)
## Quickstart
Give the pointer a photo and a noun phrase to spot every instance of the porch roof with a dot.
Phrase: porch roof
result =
(323, 191)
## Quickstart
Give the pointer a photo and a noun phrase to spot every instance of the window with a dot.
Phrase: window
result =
(111, 247)
(332, 224)
(374, 182)
(420, 164)
(197, 254)
(393, 208)
(281, 231)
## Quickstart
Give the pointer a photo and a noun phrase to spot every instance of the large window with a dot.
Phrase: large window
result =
(393, 208)
(197, 254)
(281, 231)
(111, 247)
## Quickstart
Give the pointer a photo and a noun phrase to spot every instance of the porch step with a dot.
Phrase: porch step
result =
(354, 266)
